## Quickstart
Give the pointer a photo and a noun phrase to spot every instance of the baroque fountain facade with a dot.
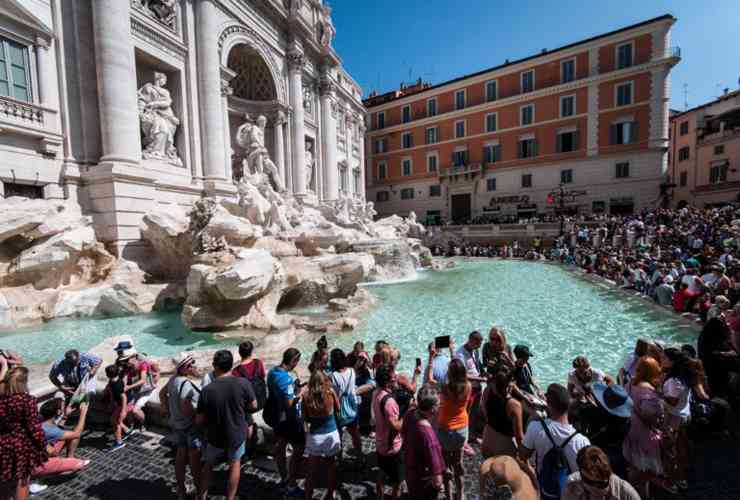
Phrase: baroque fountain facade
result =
(206, 153)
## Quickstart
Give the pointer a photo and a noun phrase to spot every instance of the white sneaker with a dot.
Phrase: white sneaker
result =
(36, 488)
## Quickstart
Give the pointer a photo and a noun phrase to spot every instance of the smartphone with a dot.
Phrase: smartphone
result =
(442, 342)
(418, 362)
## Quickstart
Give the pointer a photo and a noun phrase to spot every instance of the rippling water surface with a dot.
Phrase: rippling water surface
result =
(557, 314)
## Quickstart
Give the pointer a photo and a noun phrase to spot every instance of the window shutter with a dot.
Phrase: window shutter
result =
(559, 143)
(453, 158)
(534, 147)
(576, 139)
(633, 132)
(465, 157)
(612, 134)
(497, 153)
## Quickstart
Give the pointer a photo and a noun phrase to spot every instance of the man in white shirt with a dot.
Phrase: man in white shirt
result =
(469, 354)
(536, 441)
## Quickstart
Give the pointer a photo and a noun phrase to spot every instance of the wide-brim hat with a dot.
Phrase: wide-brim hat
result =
(125, 354)
(123, 345)
(613, 398)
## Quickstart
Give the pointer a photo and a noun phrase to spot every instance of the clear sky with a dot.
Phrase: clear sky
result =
(384, 42)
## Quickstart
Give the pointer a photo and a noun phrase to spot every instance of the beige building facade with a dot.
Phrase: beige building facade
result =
(705, 153)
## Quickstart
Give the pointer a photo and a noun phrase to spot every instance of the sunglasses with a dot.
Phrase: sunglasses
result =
(602, 485)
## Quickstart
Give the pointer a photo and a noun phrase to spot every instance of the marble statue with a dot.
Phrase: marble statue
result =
(309, 166)
(415, 228)
(158, 121)
(370, 211)
(251, 137)
(326, 27)
(163, 10)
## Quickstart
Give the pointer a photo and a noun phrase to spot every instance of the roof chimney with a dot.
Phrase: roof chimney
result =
(727, 90)
(544, 51)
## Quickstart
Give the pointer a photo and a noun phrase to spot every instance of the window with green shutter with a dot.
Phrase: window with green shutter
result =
(15, 75)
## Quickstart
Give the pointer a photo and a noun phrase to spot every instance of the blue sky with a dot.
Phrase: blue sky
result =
(384, 42)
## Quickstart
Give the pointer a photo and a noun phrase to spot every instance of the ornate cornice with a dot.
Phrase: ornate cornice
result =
(145, 33)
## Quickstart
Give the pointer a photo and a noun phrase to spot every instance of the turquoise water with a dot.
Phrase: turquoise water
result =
(557, 314)
(160, 334)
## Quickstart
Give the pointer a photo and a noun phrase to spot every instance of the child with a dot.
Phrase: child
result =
(116, 390)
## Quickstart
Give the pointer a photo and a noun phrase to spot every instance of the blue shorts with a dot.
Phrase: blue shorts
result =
(213, 454)
(187, 438)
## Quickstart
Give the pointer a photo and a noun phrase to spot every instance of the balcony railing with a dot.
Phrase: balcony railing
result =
(21, 113)
(464, 170)
(719, 135)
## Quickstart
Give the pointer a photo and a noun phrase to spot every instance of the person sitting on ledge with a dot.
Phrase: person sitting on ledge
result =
(71, 370)
(60, 444)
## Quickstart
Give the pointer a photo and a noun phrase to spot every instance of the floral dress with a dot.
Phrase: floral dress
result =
(22, 443)
(642, 446)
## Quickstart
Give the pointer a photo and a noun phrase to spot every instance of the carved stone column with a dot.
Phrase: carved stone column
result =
(296, 61)
(209, 85)
(114, 60)
(279, 123)
(363, 173)
(329, 138)
(226, 91)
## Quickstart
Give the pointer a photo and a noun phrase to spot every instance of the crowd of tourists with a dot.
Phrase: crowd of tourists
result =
(595, 436)
(625, 435)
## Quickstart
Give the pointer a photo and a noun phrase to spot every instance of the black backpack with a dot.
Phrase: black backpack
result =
(259, 385)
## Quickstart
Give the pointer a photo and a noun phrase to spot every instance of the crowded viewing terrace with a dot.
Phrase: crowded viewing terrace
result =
(468, 399)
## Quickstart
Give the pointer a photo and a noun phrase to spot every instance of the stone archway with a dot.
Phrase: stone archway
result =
(253, 80)
(237, 35)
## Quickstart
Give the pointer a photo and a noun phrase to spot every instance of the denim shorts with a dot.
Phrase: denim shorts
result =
(213, 454)
(452, 440)
(187, 438)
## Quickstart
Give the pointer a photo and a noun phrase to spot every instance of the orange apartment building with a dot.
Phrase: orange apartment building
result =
(704, 158)
(592, 116)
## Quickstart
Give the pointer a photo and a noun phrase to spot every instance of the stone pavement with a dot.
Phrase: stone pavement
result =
(144, 470)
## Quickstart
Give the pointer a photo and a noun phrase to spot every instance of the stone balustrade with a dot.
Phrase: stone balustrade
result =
(22, 113)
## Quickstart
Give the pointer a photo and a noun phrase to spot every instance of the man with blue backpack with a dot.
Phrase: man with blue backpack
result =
(555, 444)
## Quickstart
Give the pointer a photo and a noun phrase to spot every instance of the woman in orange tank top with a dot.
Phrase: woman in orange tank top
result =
(453, 424)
